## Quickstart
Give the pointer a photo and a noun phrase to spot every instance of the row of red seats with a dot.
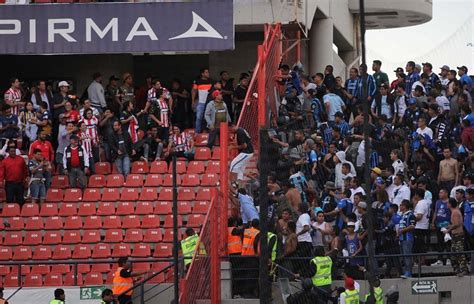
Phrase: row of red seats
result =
(32, 210)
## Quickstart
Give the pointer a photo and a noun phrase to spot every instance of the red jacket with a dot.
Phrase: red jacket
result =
(467, 138)
(46, 150)
(14, 169)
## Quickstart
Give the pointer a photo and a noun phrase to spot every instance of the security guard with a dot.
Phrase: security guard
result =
(321, 271)
(250, 234)
(272, 243)
(59, 296)
(108, 297)
(351, 295)
(250, 259)
(123, 280)
(188, 246)
(234, 238)
(377, 298)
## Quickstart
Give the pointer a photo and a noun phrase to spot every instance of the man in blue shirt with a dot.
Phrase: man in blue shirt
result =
(432, 77)
(465, 80)
(333, 104)
(247, 207)
(351, 89)
(341, 123)
(405, 233)
(366, 87)
(412, 76)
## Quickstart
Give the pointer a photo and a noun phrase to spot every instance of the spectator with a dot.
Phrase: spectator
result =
(107, 131)
(37, 167)
(161, 105)
(88, 106)
(227, 91)
(333, 104)
(152, 145)
(412, 76)
(366, 87)
(441, 219)
(201, 87)
(467, 135)
(329, 79)
(401, 191)
(182, 107)
(13, 96)
(383, 104)
(422, 213)
(95, 92)
(28, 121)
(129, 121)
(456, 231)
(64, 134)
(448, 176)
(121, 148)
(398, 165)
(112, 95)
(42, 95)
(14, 173)
(9, 124)
(76, 163)
(433, 79)
(444, 78)
(351, 86)
(181, 144)
(465, 80)
(304, 247)
(405, 233)
(247, 207)
(239, 96)
(245, 148)
(216, 113)
(380, 77)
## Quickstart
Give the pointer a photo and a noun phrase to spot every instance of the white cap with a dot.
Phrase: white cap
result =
(63, 84)
(351, 224)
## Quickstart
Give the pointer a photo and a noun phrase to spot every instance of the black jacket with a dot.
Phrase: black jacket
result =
(114, 144)
(378, 104)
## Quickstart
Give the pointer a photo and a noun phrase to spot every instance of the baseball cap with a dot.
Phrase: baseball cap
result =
(445, 67)
(349, 282)
(362, 205)
(428, 64)
(377, 170)
(384, 85)
(113, 77)
(399, 70)
(351, 224)
(464, 68)
(379, 180)
(215, 93)
(411, 101)
(63, 84)
(418, 66)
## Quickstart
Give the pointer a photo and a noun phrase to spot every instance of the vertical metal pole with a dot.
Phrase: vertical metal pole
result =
(142, 293)
(261, 88)
(215, 269)
(224, 184)
(75, 274)
(175, 233)
(298, 46)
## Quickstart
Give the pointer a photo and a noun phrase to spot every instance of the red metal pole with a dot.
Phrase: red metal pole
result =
(215, 269)
(298, 46)
(262, 109)
(224, 184)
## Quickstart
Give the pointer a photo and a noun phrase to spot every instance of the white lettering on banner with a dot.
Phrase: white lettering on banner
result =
(13, 31)
(193, 32)
(64, 32)
(91, 25)
(32, 30)
(146, 32)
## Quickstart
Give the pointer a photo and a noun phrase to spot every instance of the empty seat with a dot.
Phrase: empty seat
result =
(112, 222)
(68, 209)
(196, 167)
(40, 269)
(186, 194)
(13, 238)
(121, 250)
(169, 221)
(54, 195)
(163, 207)
(91, 195)
(73, 195)
(6, 253)
(141, 267)
(53, 223)
(86, 209)
(201, 139)
(102, 168)
(48, 209)
(113, 236)
(33, 280)
(106, 208)
(92, 222)
(216, 153)
(203, 194)
(131, 221)
(81, 251)
(148, 194)
(101, 251)
(10, 210)
(33, 238)
(191, 180)
(75, 222)
(115, 180)
(133, 236)
(60, 268)
(153, 180)
(166, 194)
(202, 153)
(168, 236)
(60, 182)
(53, 279)
(42, 253)
(4, 270)
(134, 181)
(144, 208)
(152, 236)
(32, 209)
(52, 238)
(71, 237)
(180, 167)
(129, 194)
(159, 167)
(34, 223)
(213, 167)
(125, 208)
(141, 251)
(16, 223)
(111, 195)
(210, 180)
(11, 280)
(83, 268)
(102, 268)
(184, 207)
(139, 167)
(61, 252)
(93, 278)
(71, 279)
(168, 180)
(151, 221)
(195, 220)
(22, 253)
(97, 181)
(91, 236)
(201, 207)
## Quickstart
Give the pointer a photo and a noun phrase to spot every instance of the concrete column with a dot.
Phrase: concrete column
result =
(320, 45)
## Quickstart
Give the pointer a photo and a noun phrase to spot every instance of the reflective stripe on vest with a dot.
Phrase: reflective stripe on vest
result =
(188, 246)
(378, 292)
(274, 248)
(249, 239)
(352, 296)
(323, 271)
(234, 242)
(120, 284)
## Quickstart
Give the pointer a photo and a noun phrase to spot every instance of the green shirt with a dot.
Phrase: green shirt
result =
(380, 77)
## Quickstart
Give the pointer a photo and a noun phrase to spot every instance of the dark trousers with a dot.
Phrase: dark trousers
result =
(250, 270)
(15, 192)
(441, 245)
(304, 253)
(125, 299)
(212, 137)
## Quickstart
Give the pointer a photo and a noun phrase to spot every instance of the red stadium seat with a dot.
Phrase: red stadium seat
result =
(216, 153)
(52, 238)
(61, 252)
(16, 223)
(184, 207)
(153, 236)
(131, 221)
(169, 221)
(202, 153)
(180, 167)
(134, 181)
(141, 267)
(42, 253)
(10, 210)
(159, 167)
(196, 167)
(68, 209)
(201, 139)
(151, 221)
(22, 253)
(102, 168)
(86, 209)
(54, 195)
(60, 268)
(195, 220)
(125, 208)
(53, 279)
(93, 278)
(153, 180)
(32, 209)
(47, 209)
(111, 195)
(34, 223)
(73, 195)
(213, 167)
(33, 238)
(201, 207)
(191, 180)
(91, 195)
(101, 251)
(168, 236)
(40, 269)
(166, 194)
(144, 208)
(106, 208)
(203, 194)
(186, 194)
(33, 280)
(113, 236)
(168, 180)
(97, 181)
(115, 180)
(4, 270)
(60, 182)
(13, 238)
(6, 253)
(75, 222)
(69, 279)
(11, 280)
(139, 167)
(210, 180)
(158, 279)
(164, 207)
(133, 236)
(112, 222)
(102, 268)
(148, 194)
(81, 251)
(163, 251)
(129, 194)
(83, 268)
(53, 223)
(141, 251)
(110, 278)
(91, 236)
(121, 250)
(71, 237)
(92, 222)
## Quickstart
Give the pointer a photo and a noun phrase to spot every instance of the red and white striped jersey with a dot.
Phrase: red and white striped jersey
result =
(92, 125)
(181, 142)
(152, 94)
(164, 113)
(133, 129)
(13, 95)
(86, 142)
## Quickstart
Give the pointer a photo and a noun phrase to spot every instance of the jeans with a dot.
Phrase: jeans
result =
(59, 162)
(123, 165)
(77, 176)
(407, 248)
(15, 192)
(37, 190)
(157, 154)
(200, 108)
(47, 179)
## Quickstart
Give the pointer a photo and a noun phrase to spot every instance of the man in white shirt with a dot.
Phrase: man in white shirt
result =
(398, 165)
(356, 188)
(423, 128)
(422, 214)
(400, 191)
(96, 92)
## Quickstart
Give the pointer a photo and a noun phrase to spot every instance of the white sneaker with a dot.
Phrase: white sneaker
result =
(438, 263)
(448, 262)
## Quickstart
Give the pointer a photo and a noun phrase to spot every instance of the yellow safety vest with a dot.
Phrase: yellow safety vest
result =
(120, 284)
(55, 302)
(378, 292)
(188, 246)
(352, 296)
(274, 248)
(323, 271)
